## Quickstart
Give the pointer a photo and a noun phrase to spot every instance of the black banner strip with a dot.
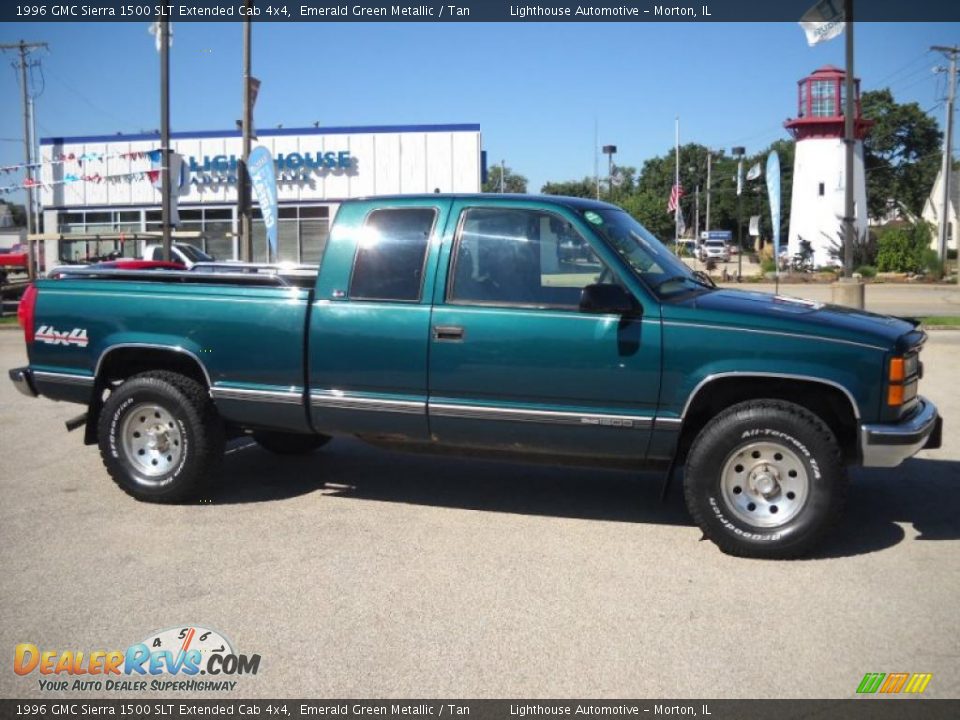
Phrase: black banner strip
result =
(476, 11)
(866, 708)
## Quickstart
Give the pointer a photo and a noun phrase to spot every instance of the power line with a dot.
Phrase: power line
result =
(913, 78)
(88, 101)
(908, 64)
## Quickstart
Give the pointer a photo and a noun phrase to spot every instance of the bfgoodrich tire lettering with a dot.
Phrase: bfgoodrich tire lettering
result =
(765, 479)
(161, 439)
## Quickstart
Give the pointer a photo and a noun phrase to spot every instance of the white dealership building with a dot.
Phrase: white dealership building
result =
(105, 184)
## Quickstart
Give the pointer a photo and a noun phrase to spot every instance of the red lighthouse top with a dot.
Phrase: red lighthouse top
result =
(821, 99)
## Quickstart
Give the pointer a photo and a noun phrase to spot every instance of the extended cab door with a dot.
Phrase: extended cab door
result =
(514, 363)
(370, 321)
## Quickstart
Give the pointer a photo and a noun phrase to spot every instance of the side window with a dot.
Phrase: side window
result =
(390, 254)
(158, 253)
(521, 257)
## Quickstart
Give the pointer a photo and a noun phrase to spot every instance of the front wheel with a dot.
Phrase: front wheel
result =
(765, 479)
(160, 437)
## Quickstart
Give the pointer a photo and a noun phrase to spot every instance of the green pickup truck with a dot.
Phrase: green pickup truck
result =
(460, 323)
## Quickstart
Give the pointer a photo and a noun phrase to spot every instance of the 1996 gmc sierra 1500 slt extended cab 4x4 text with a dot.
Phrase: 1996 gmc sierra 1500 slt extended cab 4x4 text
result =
(456, 323)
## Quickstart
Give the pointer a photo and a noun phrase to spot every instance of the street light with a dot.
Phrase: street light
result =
(609, 151)
(738, 152)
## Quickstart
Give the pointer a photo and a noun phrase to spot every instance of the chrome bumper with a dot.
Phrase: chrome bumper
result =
(22, 378)
(889, 444)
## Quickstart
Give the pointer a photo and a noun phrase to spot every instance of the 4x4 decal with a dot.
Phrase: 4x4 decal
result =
(50, 335)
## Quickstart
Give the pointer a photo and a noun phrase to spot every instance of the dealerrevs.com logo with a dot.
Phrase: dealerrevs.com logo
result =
(189, 658)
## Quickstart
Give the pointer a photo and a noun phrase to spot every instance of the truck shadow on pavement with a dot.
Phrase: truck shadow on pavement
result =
(923, 493)
(885, 506)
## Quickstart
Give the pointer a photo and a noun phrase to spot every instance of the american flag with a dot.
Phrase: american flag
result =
(676, 192)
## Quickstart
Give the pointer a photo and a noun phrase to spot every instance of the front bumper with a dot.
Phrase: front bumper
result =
(889, 444)
(22, 379)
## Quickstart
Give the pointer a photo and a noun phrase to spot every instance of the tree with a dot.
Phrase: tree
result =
(901, 153)
(512, 182)
(17, 212)
(586, 188)
(645, 196)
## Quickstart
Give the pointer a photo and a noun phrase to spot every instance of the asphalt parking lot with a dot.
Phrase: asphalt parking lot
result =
(359, 572)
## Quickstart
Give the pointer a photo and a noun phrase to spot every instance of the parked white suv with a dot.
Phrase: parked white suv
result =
(714, 250)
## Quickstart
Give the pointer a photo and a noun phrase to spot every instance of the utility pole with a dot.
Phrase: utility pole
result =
(164, 29)
(947, 170)
(25, 48)
(503, 171)
(739, 152)
(243, 178)
(696, 214)
(609, 151)
(596, 155)
(35, 153)
(849, 139)
(706, 225)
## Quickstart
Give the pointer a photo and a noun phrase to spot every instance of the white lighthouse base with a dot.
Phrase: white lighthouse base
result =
(817, 201)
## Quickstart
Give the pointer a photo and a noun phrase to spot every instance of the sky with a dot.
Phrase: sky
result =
(536, 89)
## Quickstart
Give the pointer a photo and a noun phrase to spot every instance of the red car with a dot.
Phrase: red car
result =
(134, 264)
(123, 264)
(14, 257)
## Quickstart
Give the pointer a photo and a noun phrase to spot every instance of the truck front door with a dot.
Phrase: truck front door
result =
(514, 363)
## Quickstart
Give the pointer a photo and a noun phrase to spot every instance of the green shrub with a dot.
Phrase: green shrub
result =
(867, 271)
(768, 265)
(901, 249)
(930, 261)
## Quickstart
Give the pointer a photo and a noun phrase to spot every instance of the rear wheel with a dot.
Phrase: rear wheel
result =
(765, 479)
(282, 443)
(160, 437)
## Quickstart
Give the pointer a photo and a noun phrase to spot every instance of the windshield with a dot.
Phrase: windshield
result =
(194, 254)
(663, 272)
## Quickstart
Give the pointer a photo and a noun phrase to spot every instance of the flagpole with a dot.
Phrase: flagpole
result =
(676, 184)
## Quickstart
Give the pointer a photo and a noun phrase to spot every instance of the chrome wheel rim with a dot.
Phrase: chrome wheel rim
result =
(151, 441)
(764, 484)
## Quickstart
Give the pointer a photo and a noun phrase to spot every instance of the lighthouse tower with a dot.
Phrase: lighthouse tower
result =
(816, 208)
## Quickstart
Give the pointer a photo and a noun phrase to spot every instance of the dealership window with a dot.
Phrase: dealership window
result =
(302, 231)
(217, 232)
(391, 250)
(301, 234)
(93, 222)
(521, 258)
(314, 231)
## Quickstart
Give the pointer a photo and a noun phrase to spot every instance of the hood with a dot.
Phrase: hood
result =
(765, 311)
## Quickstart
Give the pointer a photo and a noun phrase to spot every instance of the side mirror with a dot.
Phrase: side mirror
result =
(607, 299)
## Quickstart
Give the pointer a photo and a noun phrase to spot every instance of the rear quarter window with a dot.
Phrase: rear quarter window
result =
(391, 250)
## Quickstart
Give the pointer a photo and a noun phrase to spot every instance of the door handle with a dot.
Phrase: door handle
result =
(448, 333)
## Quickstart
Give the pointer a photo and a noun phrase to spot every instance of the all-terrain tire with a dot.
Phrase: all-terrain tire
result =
(765, 479)
(161, 438)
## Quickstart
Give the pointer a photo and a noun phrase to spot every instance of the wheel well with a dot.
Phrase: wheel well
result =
(827, 402)
(125, 362)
